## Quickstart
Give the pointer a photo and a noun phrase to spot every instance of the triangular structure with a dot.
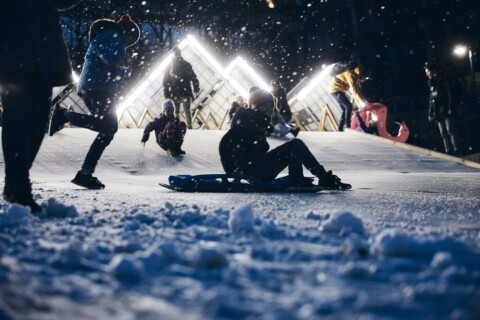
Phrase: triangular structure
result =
(313, 107)
(218, 88)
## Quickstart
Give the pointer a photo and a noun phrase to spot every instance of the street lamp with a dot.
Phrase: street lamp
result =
(461, 51)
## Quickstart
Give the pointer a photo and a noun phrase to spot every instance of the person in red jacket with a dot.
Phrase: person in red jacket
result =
(169, 130)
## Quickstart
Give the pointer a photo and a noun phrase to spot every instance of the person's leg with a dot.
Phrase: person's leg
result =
(346, 106)
(361, 124)
(452, 132)
(293, 154)
(105, 122)
(102, 109)
(106, 112)
(177, 101)
(186, 102)
(443, 132)
(26, 106)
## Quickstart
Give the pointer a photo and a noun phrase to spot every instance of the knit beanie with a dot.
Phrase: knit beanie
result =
(129, 27)
(168, 105)
(261, 100)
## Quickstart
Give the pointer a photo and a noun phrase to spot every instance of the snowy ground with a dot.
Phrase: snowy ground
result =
(403, 243)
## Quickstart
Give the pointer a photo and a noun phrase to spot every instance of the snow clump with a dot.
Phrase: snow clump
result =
(242, 220)
(124, 266)
(59, 210)
(342, 222)
(15, 216)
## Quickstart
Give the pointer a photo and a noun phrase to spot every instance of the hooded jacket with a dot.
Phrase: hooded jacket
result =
(32, 42)
(105, 61)
(346, 80)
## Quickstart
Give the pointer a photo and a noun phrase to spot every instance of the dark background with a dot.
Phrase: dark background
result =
(391, 38)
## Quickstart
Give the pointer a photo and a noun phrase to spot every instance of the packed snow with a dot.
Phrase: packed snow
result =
(404, 243)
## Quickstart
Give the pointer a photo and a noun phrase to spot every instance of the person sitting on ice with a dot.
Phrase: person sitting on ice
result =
(244, 149)
(169, 130)
(282, 119)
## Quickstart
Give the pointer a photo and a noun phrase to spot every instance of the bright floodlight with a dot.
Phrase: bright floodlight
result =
(460, 50)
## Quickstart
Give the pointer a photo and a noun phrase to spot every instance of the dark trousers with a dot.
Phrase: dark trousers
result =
(346, 106)
(26, 106)
(102, 119)
(449, 135)
(292, 154)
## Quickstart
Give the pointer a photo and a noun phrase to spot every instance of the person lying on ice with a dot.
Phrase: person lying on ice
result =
(169, 130)
(244, 149)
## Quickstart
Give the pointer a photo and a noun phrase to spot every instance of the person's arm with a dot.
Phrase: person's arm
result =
(149, 128)
(353, 83)
(193, 78)
(167, 84)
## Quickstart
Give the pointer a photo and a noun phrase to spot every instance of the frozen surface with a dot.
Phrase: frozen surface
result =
(403, 243)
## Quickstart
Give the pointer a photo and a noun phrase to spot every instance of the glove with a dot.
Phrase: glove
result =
(145, 138)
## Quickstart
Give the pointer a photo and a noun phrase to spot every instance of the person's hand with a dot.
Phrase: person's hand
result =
(144, 138)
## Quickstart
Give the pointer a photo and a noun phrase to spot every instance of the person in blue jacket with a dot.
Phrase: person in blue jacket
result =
(33, 60)
(104, 68)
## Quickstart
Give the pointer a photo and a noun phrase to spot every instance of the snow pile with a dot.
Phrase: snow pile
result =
(242, 220)
(206, 258)
(15, 216)
(59, 210)
(125, 266)
(397, 243)
(342, 223)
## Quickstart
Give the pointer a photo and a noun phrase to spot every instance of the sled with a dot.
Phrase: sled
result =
(223, 184)
(380, 112)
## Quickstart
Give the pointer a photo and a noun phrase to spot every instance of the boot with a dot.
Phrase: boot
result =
(87, 181)
(329, 181)
(57, 121)
(26, 200)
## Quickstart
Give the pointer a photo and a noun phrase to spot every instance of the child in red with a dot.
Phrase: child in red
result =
(169, 130)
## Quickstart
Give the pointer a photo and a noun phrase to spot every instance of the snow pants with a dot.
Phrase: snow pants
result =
(292, 154)
(102, 119)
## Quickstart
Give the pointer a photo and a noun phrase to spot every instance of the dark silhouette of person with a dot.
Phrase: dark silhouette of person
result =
(102, 73)
(441, 109)
(180, 84)
(33, 60)
(244, 149)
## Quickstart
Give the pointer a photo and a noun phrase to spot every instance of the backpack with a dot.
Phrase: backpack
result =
(342, 66)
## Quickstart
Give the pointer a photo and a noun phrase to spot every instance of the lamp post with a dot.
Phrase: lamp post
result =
(460, 51)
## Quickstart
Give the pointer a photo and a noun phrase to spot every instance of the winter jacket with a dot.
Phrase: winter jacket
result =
(245, 143)
(440, 98)
(346, 80)
(105, 60)
(158, 125)
(178, 80)
(31, 41)
(282, 103)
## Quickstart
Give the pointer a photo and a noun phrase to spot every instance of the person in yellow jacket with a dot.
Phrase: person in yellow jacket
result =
(341, 82)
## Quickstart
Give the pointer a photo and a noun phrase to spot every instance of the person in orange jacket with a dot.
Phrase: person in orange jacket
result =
(340, 84)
